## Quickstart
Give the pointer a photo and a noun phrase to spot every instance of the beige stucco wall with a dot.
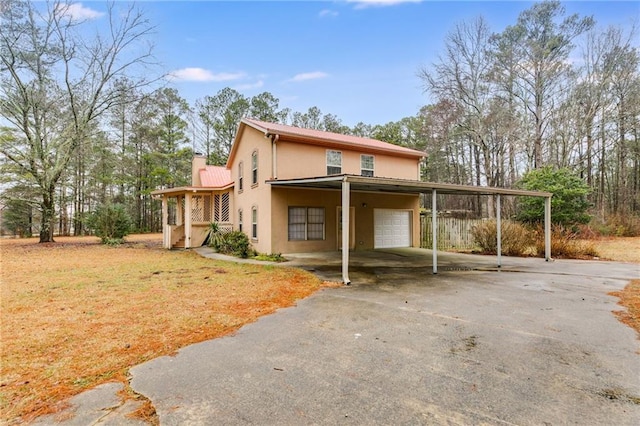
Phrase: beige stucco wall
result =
(300, 160)
(253, 195)
(363, 202)
(295, 160)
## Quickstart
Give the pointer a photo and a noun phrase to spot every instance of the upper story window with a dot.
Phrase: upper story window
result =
(254, 168)
(334, 162)
(366, 165)
(240, 177)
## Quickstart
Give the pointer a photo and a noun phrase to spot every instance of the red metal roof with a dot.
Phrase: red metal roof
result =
(215, 177)
(328, 138)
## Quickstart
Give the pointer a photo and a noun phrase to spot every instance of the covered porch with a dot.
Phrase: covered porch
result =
(187, 213)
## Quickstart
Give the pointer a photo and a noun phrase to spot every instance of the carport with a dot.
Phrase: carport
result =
(348, 183)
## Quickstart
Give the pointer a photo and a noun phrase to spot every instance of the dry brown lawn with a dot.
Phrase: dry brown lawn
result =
(622, 249)
(76, 313)
(630, 300)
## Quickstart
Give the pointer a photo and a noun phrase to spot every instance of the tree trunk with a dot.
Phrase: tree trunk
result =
(48, 215)
(537, 143)
(601, 197)
(621, 180)
(589, 130)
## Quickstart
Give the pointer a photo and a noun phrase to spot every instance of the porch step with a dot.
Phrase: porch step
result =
(179, 243)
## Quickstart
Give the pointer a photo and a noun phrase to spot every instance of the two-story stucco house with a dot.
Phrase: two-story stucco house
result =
(294, 190)
(272, 189)
(277, 205)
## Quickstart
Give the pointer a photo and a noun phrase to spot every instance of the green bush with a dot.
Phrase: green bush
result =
(235, 243)
(516, 239)
(215, 234)
(110, 222)
(569, 202)
(273, 257)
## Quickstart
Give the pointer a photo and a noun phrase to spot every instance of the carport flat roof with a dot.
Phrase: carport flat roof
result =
(378, 184)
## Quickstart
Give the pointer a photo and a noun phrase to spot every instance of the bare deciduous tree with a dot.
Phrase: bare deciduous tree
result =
(57, 79)
(541, 40)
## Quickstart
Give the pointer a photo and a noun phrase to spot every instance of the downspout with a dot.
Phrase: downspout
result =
(274, 156)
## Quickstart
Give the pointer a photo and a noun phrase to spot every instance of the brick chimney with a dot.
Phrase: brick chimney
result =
(198, 163)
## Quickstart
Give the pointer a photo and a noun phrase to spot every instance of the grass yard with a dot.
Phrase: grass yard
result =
(76, 313)
(622, 249)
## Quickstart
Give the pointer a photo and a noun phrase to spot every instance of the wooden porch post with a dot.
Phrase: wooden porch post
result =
(179, 218)
(187, 221)
(166, 229)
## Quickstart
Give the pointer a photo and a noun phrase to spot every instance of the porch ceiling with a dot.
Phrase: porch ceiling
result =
(377, 184)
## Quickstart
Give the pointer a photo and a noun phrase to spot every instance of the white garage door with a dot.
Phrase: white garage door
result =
(392, 228)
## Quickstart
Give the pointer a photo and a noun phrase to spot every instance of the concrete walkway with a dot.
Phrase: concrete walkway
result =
(532, 343)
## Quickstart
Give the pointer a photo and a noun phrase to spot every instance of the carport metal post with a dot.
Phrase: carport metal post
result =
(434, 229)
(346, 188)
(547, 229)
(498, 231)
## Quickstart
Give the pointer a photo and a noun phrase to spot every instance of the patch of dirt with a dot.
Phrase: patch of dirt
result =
(619, 395)
(468, 344)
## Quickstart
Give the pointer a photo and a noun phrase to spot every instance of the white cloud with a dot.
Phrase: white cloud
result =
(201, 74)
(258, 84)
(315, 75)
(362, 4)
(327, 13)
(77, 12)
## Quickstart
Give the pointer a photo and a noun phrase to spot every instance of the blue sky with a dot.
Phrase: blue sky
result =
(354, 59)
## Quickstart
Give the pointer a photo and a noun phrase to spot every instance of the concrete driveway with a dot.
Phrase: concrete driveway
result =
(534, 343)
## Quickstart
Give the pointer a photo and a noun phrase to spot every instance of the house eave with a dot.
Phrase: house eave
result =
(193, 189)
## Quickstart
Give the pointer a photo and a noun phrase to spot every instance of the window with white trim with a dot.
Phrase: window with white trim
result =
(334, 162)
(306, 223)
(254, 168)
(240, 220)
(254, 223)
(240, 177)
(366, 165)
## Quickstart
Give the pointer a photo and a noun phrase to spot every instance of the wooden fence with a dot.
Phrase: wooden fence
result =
(453, 233)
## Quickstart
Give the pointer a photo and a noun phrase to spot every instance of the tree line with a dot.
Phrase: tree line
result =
(83, 125)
